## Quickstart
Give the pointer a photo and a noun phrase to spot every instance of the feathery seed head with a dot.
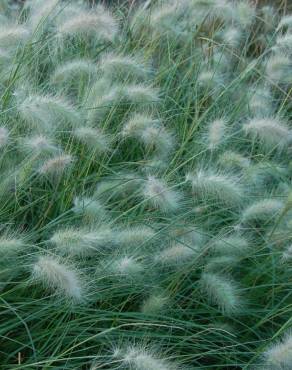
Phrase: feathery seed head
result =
(135, 236)
(284, 44)
(216, 133)
(47, 112)
(141, 95)
(123, 67)
(231, 160)
(278, 69)
(260, 102)
(232, 36)
(90, 208)
(4, 136)
(56, 166)
(72, 70)
(154, 304)
(38, 145)
(221, 291)
(13, 35)
(262, 211)
(279, 355)
(143, 359)
(245, 14)
(92, 138)
(285, 22)
(56, 276)
(137, 124)
(10, 246)
(160, 196)
(76, 242)
(126, 266)
(222, 188)
(176, 254)
(270, 132)
(287, 255)
(230, 246)
(98, 24)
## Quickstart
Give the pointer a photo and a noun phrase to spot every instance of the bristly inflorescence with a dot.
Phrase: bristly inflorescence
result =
(145, 162)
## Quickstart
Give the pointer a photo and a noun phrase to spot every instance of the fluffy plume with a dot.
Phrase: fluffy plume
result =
(142, 359)
(285, 22)
(150, 132)
(135, 235)
(38, 144)
(154, 304)
(245, 14)
(264, 210)
(12, 35)
(222, 188)
(126, 266)
(278, 69)
(90, 208)
(77, 242)
(279, 355)
(123, 67)
(230, 246)
(233, 161)
(284, 44)
(160, 196)
(216, 133)
(98, 24)
(176, 254)
(4, 136)
(72, 70)
(122, 184)
(92, 138)
(210, 81)
(56, 166)
(10, 246)
(287, 255)
(270, 132)
(232, 36)
(42, 13)
(58, 277)
(260, 102)
(47, 112)
(221, 291)
(141, 95)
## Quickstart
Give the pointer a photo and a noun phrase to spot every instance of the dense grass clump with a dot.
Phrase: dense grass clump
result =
(146, 199)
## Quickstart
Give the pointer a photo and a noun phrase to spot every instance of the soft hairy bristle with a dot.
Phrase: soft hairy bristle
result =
(270, 132)
(223, 188)
(123, 67)
(154, 304)
(140, 358)
(279, 355)
(278, 69)
(221, 291)
(4, 136)
(99, 24)
(58, 277)
(92, 138)
(48, 112)
(13, 35)
(56, 166)
(216, 133)
(74, 69)
(158, 195)
(10, 246)
(78, 242)
(264, 210)
(176, 254)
